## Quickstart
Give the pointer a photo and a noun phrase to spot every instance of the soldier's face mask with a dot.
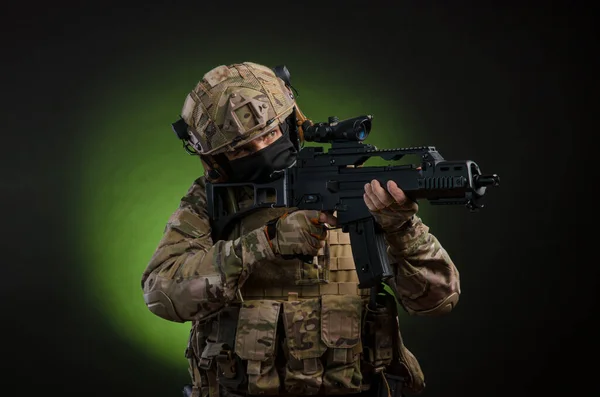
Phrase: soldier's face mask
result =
(259, 166)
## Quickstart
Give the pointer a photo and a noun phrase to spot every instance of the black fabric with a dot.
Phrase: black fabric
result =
(259, 166)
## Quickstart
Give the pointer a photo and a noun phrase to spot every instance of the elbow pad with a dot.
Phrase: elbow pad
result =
(445, 307)
(160, 304)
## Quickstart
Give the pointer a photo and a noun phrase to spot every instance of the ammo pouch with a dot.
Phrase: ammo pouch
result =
(218, 353)
(384, 348)
(256, 344)
(322, 345)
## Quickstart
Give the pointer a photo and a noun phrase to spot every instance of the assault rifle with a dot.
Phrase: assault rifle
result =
(334, 181)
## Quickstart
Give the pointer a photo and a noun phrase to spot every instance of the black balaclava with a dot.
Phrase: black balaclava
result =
(259, 166)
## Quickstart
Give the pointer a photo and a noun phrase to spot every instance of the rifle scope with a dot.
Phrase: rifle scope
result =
(354, 129)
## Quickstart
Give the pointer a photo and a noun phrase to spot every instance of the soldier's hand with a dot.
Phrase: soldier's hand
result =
(390, 208)
(300, 232)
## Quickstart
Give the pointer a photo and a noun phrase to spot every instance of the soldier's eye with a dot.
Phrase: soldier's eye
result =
(268, 136)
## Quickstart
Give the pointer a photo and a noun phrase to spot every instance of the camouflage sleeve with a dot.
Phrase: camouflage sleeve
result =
(190, 277)
(426, 278)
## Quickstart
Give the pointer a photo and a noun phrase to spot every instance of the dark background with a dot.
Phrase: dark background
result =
(508, 86)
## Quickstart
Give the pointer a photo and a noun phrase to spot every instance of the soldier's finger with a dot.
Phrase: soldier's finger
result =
(315, 245)
(320, 233)
(313, 216)
(382, 195)
(396, 192)
(369, 203)
(328, 218)
(373, 197)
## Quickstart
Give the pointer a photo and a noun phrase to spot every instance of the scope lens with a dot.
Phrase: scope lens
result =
(361, 134)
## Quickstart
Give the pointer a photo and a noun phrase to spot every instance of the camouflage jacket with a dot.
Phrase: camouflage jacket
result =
(190, 277)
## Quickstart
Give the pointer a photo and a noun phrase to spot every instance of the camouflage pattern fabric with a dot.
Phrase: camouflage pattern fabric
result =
(341, 333)
(234, 104)
(408, 237)
(304, 369)
(299, 233)
(421, 259)
(256, 343)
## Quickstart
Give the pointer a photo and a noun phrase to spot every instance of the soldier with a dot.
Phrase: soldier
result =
(265, 320)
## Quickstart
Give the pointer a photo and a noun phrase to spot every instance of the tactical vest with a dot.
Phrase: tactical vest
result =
(299, 328)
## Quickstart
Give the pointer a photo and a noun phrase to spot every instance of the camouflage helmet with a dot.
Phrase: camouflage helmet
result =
(233, 105)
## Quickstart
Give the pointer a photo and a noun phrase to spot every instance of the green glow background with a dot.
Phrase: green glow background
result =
(135, 171)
